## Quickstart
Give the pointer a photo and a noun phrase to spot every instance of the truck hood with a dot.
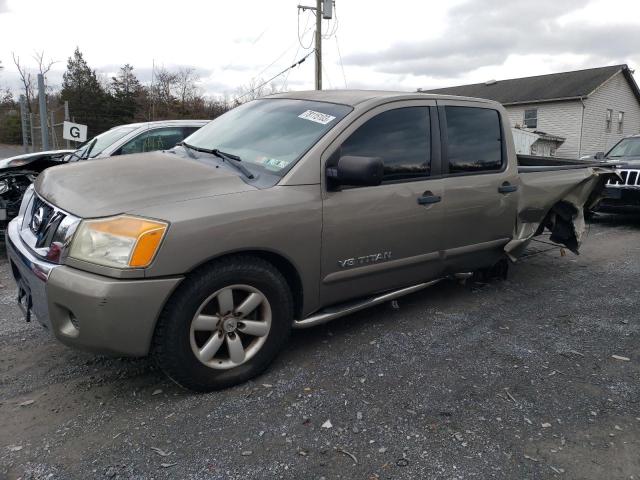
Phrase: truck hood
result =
(124, 184)
(634, 162)
(27, 158)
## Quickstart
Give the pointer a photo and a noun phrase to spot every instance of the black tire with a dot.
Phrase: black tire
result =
(171, 343)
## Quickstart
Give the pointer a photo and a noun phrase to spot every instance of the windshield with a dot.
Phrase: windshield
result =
(272, 134)
(98, 143)
(627, 147)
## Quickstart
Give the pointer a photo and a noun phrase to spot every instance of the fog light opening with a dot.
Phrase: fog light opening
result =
(70, 326)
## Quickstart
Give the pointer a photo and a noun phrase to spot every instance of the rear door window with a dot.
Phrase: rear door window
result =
(152, 140)
(189, 130)
(474, 139)
(401, 137)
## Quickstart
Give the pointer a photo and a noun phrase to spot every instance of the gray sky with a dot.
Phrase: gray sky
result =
(399, 45)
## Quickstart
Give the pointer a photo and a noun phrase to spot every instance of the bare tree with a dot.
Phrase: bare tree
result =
(43, 65)
(162, 92)
(27, 80)
(256, 88)
(186, 85)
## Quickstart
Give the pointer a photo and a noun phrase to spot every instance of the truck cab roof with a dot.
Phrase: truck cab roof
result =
(354, 98)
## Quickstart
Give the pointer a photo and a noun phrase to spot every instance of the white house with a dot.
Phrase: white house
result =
(590, 109)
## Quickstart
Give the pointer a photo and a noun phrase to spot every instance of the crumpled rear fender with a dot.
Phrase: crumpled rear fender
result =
(556, 201)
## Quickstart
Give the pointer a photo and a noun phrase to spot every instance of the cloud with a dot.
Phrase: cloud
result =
(3, 6)
(486, 33)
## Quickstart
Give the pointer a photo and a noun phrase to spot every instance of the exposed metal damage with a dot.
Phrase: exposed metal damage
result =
(556, 209)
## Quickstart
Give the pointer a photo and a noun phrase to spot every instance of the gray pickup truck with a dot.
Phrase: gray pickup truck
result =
(287, 211)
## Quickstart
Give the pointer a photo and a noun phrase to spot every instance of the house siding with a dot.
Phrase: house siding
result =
(562, 119)
(617, 95)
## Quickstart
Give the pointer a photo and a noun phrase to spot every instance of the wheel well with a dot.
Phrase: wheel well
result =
(282, 264)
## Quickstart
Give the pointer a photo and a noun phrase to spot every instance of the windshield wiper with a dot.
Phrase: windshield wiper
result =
(187, 148)
(85, 156)
(228, 157)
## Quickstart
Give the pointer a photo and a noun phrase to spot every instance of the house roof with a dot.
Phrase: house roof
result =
(543, 88)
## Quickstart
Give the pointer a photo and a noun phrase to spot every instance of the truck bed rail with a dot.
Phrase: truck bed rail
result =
(533, 163)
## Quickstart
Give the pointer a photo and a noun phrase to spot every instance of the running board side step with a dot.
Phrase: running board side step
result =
(331, 313)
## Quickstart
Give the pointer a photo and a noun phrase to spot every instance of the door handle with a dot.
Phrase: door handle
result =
(428, 198)
(506, 187)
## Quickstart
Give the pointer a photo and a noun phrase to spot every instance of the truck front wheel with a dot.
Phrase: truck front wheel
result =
(224, 324)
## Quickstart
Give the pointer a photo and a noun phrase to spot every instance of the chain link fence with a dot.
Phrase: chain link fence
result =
(55, 121)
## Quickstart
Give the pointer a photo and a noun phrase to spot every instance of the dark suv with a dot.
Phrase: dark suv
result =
(624, 194)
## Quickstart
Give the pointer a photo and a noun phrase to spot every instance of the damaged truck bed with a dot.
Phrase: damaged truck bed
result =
(555, 194)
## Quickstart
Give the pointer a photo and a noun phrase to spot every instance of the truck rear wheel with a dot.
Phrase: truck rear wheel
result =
(224, 324)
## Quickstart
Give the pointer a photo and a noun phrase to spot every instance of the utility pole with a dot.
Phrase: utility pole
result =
(23, 123)
(66, 117)
(43, 113)
(323, 9)
(32, 129)
(318, 44)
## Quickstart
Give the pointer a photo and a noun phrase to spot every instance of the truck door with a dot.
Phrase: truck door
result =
(377, 238)
(480, 184)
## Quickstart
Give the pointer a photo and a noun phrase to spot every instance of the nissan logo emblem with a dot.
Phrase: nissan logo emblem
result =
(36, 221)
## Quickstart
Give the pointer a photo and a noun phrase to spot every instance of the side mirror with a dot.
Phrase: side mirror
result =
(357, 171)
(599, 156)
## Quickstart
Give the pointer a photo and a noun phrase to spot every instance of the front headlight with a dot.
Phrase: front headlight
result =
(26, 198)
(121, 242)
(4, 186)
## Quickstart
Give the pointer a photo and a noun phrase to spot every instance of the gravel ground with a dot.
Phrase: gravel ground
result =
(512, 379)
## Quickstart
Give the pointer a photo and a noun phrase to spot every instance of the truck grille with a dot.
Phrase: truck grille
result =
(630, 178)
(46, 229)
(42, 220)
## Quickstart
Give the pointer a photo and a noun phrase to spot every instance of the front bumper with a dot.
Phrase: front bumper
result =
(620, 198)
(88, 311)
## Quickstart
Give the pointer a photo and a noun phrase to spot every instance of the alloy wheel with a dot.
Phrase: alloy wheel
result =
(230, 326)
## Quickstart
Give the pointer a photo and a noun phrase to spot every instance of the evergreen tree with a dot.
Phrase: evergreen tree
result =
(128, 94)
(87, 99)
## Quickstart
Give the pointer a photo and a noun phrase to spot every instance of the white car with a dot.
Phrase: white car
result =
(137, 138)
(17, 173)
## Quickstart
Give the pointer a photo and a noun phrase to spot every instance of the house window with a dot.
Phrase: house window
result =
(607, 124)
(620, 122)
(531, 118)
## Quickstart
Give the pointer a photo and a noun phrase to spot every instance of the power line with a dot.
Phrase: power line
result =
(341, 65)
(305, 31)
(286, 79)
(276, 76)
(271, 64)
(285, 52)
(326, 74)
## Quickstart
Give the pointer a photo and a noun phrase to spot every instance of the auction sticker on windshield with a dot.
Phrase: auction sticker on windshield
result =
(317, 117)
(275, 164)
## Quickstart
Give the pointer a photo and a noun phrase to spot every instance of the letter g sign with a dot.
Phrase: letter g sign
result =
(74, 131)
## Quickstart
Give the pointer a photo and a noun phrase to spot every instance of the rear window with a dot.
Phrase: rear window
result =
(474, 139)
